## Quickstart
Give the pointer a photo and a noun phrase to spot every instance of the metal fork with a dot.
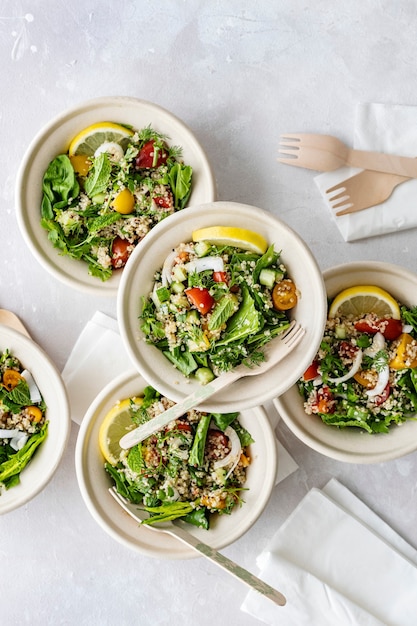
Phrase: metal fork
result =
(274, 352)
(205, 550)
(325, 153)
(363, 190)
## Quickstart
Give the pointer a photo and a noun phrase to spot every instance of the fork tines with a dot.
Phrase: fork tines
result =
(288, 145)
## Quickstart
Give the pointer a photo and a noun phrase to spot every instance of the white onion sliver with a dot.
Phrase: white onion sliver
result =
(19, 441)
(167, 268)
(235, 451)
(8, 434)
(214, 263)
(378, 343)
(407, 328)
(353, 370)
(35, 394)
(383, 378)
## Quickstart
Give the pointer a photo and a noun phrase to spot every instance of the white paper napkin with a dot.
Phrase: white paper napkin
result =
(98, 357)
(337, 563)
(387, 128)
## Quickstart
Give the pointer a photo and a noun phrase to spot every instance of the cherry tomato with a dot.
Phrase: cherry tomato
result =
(124, 202)
(390, 328)
(121, 249)
(201, 298)
(151, 155)
(11, 378)
(220, 277)
(284, 295)
(405, 353)
(165, 202)
(35, 414)
(311, 371)
(324, 402)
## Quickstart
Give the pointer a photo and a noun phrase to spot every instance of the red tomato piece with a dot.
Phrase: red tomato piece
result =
(201, 298)
(390, 328)
(165, 202)
(311, 372)
(325, 402)
(151, 155)
(120, 252)
(220, 277)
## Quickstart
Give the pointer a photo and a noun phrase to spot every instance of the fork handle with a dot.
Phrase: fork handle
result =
(381, 162)
(230, 566)
(152, 426)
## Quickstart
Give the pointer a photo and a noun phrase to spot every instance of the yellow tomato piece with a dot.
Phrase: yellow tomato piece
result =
(362, 377)
(80, 163)
(35, 414)
(284, 295)
(406, 355)
(124, 202)
(11, 379)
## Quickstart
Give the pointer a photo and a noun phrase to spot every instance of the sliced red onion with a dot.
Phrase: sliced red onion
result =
(35, 394)
(353, 370)
(381, 383)
(234, 454)
(378, 343)
(214, 263)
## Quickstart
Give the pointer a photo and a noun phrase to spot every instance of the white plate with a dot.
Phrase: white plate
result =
(42, 467)
(94, 481)
(354, 445)
(55, 138)
(137, 281)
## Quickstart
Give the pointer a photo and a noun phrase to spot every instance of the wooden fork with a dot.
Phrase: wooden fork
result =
(325, 153)
(363, 190)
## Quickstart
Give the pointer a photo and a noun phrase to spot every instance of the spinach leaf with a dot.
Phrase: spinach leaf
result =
(198, 517)
(222, 311)
(246, 321)
(59, 185)
(10, 469)
(99, 176)
(180, 182)
(223, 420)
(269, 258)
(197, 450)
(184, 361)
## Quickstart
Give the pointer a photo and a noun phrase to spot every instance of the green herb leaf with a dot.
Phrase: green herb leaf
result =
(99, 175)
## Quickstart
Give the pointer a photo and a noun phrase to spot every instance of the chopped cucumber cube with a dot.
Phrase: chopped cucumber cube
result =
(179, 273)
(162, 294)
(267, 277)
(202, 248)
(340, 331)
(177, 287)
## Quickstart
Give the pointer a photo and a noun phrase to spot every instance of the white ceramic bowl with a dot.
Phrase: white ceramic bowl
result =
(353, 445)
(94, 481)
(36, 475)
(54, 139)
(148, 257)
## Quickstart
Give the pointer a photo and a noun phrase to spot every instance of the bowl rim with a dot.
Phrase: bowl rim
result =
(93, 287)
(143, 540)
(176, 386)
(29, 346)
(288, 402)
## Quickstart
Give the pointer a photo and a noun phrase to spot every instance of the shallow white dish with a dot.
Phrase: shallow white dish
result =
(137, 281)
(94, 481)
(353, 445)
(42, 467)
(55, 138)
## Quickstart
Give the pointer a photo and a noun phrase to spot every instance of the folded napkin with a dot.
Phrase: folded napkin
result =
(337, 563)
(384, 128)
(99, 356)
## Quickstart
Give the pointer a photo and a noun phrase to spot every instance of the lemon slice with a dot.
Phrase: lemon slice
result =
(116, 423)
(88, 140)
(363, 299)
(231, 236)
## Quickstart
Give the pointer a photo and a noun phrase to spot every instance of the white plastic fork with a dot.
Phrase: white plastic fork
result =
(325, 153)
(274, 352)
(205, 550)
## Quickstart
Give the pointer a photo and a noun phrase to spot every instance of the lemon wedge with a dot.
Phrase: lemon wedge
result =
(88, 140)
(116, 423)
(363, 299)
(231, 236)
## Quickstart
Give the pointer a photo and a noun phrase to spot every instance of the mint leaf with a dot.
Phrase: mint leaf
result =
(99, 176)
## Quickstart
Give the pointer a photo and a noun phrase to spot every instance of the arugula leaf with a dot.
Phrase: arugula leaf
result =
(97, 179)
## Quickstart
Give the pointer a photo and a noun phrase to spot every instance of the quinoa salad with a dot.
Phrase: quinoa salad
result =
(213, 307)
(23, 426)
(365, 373)
(192, 469)
(99, 209)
